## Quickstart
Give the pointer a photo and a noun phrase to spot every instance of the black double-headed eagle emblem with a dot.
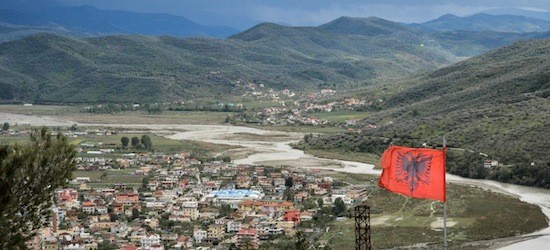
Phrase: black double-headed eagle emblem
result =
(414, 170)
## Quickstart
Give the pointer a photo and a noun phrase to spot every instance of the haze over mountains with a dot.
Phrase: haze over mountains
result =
(90, 21)
(486, 22)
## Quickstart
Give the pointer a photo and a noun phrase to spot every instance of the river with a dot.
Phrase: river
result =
(272, 148)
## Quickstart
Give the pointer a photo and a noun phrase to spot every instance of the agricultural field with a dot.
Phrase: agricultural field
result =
(106, 178)
(10, 140)
(40, 110)
(166, 117)
(160, 144)
(340, 116)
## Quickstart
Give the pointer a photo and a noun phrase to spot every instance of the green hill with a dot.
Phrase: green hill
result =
(496, 103)
(47, 68)
(371, 26)
(343, 54)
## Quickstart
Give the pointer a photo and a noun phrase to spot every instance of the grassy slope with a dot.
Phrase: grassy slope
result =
(496, 103)
(479, 215)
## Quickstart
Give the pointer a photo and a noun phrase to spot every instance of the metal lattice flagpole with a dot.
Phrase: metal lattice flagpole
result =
(362, 227)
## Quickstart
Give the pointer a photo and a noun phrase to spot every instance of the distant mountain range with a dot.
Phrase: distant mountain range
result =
(30, 16)
(540, 14)
(345, 53)
(90, 21)
(486, 22)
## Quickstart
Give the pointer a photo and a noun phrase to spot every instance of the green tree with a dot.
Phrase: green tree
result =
(320, 202)
(6, 126)
(146, 141)
(135, 214)
(135, 141)
(309, 204)
(154, 109)
(301, 242)
(29, 176)
(288, 194)
(124, 140)
(339, 207)
(225, 210)
(246, 243)
(289, 182)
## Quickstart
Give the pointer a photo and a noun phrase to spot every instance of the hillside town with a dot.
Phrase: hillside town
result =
(183, 203)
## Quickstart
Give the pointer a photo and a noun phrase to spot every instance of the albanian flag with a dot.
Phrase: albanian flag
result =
(415, 172)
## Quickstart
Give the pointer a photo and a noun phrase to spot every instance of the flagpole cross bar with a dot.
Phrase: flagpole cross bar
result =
(362, 227)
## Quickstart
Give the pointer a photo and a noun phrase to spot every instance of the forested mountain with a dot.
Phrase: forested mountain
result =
(486, 22)
(345, 53)
(90, 21)
(49, 68)
(10, 32)
(496, 103)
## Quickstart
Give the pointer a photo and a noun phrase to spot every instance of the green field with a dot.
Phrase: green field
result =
(340, 116)
(401, 221)
(49, 110)
(160, 144)
(109, 177)
(9, 140)
(166, 117)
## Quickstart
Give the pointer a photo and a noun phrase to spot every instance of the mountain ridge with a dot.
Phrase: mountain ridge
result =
(485, 22)
(493, 103)
(297, 58)
(91, 20)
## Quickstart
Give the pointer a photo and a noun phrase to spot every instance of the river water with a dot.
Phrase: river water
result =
(272, 148)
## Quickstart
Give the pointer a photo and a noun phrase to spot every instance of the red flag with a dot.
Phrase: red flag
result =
(415, 172)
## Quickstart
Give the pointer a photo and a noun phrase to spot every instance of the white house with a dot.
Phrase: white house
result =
(199, 235)
(151, 241)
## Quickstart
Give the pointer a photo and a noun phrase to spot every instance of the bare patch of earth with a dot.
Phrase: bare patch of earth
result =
(380, 221)
(438, 223)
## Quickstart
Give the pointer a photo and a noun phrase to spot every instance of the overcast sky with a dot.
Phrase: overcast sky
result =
(244, 13)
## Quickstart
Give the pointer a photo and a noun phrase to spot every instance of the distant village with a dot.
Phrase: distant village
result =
(183, 203)
(301, 111)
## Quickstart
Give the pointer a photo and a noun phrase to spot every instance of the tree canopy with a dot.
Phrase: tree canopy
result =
(29, 175)
(339, 207)
(135, 141)
(124, 140)
(146, 141)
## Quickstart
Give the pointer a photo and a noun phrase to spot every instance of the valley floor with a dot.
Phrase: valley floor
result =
(258, 146)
